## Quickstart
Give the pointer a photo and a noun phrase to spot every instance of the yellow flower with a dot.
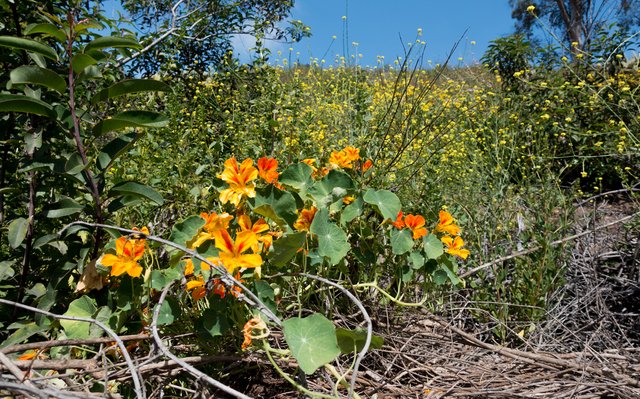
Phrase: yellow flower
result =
(344, 158)
(305, 218)
(531, 8)
(267, 169)
(231, 255)
(128, 252)
(454, 246)
(447, 224)
(260, 226)
(213, 223)
(255, 328)
(239, 180)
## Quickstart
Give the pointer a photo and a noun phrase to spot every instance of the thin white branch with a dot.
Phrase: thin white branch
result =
(132, 368)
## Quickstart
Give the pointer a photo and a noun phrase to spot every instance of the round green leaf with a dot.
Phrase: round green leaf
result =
(334, 186)
(169, 311)
(401, 241)
(332, 240)
(275, 204)
(298, 177)
(312, 341)
(386, 203)
(81, 307)
(285, 248)
(432, 246)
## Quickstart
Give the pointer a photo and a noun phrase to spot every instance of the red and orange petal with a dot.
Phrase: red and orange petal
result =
(367, 165)
(130, 248)
(215, 222)
(399, 223)
(416, 224)
(267, 169)
(305, 218)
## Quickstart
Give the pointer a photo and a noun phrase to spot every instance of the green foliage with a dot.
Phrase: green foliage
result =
(508, 56)
(312, 341)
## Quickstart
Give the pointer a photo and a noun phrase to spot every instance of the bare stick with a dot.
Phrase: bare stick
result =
(65, 342)
(132, 368)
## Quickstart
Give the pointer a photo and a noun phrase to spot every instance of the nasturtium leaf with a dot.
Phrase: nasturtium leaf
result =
(432, 246)
(135, 118)
(64, 207)
(332, 240)
(113, 149)
(440, 277)
(17, 232)
(401, 241)
(447, 265)
(275, 204)
(29, 45)
(266, 294)
(214, 320)
(169, 311)
(47, 29)
(334, 186)
(130, 86)
(102, 315)
(111, 41)
(26, 104)
(298, 177)
(185, 231)
(32, 74)
(353, 340)
(386, 203)
(417, 260)
(136, 189)
(81, 307)
(352, 211)
(160, 278)
(285, 248)
(312, 341)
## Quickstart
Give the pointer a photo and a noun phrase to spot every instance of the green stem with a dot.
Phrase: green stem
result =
(389, 296)
(268, 350)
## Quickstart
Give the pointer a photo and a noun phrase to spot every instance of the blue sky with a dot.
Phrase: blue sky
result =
(377, 25)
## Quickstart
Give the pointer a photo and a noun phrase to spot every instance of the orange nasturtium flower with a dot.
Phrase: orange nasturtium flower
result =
(213, 223)
(239, 179)
(399, 223)
(367, 165)
(267, 169)
(447, 224)
(128, 252)
(416, 224)
(305, 218)
(255, 328)
(344, 158)
(32, 354)
(454, 246)
(231, 251)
